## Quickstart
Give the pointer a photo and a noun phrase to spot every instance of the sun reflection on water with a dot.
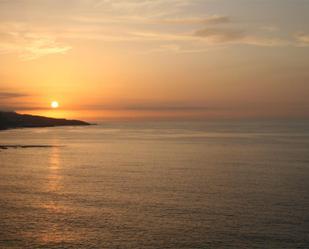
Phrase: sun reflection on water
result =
(54, 177)
(56, 229)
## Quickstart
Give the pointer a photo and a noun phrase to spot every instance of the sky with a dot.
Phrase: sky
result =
(155, 59)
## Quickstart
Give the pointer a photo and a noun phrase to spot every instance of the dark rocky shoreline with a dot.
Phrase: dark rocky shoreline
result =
(19, 146)
(13, 120)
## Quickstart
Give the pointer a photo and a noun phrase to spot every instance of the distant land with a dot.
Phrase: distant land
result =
(11, 120)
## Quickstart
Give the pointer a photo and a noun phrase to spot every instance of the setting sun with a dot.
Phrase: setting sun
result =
(54, 104)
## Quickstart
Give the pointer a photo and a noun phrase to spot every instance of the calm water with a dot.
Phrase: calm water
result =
(157, 185)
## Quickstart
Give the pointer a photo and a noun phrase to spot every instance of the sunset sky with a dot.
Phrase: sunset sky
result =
(103, 59)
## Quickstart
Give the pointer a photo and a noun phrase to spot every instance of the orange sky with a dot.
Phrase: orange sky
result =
(153, 59)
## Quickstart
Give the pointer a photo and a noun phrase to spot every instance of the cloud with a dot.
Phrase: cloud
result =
(187, 25)
(216, 19)
(17, 39)
(303, 38)
(270, 28)
(146, 7)
(177, 49)
(264, 41)
(163, 107)
(220, 35)
(11, 95)
(152, 106)
(235, 36)
(210, 20)
(9, 99)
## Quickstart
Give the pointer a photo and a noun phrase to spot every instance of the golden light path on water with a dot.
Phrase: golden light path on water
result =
(56, 230)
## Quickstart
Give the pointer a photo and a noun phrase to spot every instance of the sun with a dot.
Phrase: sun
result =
(54, 104)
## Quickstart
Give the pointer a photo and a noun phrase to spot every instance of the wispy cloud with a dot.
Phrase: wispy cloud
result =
(210, 20)
(177, 49)
(215, 35)
(132, 21)
(11, 95)
(303, 39)
(9, 99)
(153, 106)
(270, 28)
(235, 36)
(144, 7)
(16, 39)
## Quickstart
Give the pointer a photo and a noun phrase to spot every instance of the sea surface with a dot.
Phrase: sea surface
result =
(156, 185)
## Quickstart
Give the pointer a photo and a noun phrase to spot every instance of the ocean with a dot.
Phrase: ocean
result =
(222, 184)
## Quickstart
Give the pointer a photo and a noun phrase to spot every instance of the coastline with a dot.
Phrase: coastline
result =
(19, 146)
(13, 120)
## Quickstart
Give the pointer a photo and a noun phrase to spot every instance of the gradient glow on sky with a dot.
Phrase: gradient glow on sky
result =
(103, 59)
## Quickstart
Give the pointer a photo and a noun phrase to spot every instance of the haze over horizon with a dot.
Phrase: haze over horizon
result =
(103, 59)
